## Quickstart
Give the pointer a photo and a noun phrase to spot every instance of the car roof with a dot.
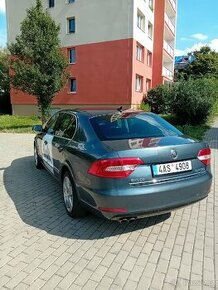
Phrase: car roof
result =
(95, 113)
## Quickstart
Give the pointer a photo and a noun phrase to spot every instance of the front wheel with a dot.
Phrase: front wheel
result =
(37, 160)
(71, 202)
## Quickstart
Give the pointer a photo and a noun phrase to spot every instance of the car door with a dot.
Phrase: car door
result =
(64, 131)
(45, 144)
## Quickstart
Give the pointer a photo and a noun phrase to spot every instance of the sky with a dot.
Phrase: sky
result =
(197, 25)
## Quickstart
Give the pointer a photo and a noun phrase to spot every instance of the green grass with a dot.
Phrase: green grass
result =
(17, 124)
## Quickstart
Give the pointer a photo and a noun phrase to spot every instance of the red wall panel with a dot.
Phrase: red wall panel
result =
(103, 72)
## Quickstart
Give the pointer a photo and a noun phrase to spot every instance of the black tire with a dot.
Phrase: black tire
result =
(37, 161)
(71, 202)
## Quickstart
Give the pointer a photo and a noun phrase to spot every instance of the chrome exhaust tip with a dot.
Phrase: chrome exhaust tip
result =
(130, 219)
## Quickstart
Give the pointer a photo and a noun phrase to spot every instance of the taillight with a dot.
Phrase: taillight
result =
(204, 156)
(113, 210)
(115, 167)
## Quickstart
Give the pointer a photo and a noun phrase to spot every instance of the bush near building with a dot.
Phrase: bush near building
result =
(191, 101)
(158, 99)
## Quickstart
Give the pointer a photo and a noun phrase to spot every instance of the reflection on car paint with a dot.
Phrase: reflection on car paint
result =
(47, 151)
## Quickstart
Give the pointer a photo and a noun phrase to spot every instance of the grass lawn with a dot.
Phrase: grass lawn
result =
(17, 124)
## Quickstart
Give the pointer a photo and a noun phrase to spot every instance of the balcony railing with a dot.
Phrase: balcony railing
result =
(168, 48)
(167, 73)
(173, 3)
(170, 23)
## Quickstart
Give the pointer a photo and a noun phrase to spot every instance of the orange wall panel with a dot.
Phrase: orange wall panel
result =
(159, 23)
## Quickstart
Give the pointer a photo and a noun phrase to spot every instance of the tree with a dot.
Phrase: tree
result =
(204, 65)
(38, 65)
(4, 72)
(5, 104)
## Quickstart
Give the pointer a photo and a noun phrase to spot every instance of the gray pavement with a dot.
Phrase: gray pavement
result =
(42, 248)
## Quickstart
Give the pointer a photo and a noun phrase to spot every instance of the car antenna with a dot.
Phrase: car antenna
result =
(120, 109)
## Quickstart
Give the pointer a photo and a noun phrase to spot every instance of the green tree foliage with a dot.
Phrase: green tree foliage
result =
(37, 61)
(189, 101)
(4, 72)
(5, 103)
(205, 65)
(192, 100)
(158, 99)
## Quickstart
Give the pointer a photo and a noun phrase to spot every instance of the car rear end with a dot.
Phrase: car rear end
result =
(152, 171)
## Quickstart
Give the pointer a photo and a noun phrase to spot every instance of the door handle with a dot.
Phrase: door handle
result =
(58, 147)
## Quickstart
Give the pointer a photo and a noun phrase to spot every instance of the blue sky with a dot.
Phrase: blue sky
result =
(3, 32)
(197, 24)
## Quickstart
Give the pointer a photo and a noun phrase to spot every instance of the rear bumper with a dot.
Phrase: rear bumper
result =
(149, 200)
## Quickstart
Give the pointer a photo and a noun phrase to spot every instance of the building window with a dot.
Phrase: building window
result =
(139, 52)
(71, 25)
(71, 1)
(149, 58)
(73, 85)
(148, 85)
(51, 3)
(72, 55)
(150, 30)
(139, 83)
(141, 20)
(151, 4)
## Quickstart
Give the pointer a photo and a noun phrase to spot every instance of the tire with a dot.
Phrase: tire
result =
(71, 202)
(37, 161)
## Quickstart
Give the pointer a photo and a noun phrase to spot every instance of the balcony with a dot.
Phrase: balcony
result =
(169, 49)
(169, 23)
(167, 73)
(173, 3)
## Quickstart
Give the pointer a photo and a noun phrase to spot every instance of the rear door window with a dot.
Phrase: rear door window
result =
(65, 126)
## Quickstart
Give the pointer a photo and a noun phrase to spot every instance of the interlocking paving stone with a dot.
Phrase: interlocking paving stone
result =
(41, 247)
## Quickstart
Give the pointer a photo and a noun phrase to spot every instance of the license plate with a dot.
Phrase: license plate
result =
(173, 167)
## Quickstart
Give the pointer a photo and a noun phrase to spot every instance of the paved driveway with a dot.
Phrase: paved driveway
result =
(41, 247)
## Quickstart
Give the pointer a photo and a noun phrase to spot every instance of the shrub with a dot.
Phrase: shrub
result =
(158, 99)
(192, 100)
(145, 107)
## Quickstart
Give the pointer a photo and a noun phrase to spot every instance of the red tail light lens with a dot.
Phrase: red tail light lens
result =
(115, 168)
(204, 156)
(113, 210)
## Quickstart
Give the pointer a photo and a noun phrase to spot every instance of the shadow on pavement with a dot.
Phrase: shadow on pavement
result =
(38, 200)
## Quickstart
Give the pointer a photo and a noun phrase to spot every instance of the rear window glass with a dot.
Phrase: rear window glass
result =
(129, 126)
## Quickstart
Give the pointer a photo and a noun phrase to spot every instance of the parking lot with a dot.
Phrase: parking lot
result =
(41, 247)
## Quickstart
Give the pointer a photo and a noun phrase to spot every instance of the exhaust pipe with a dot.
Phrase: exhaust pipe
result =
(128, 219)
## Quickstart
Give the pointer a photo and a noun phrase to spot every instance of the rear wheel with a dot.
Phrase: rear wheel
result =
(71, 202)
(37, 160)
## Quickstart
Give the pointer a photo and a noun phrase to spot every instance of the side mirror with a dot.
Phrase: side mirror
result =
(37, 128)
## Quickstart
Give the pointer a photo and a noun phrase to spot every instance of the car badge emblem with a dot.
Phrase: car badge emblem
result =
(173, 154)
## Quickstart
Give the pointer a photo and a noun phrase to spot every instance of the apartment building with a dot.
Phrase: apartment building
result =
(117, 50)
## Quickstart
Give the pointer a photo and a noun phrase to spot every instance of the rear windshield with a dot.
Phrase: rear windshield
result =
(129, 126)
